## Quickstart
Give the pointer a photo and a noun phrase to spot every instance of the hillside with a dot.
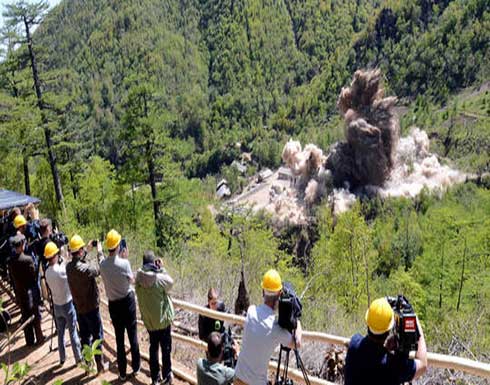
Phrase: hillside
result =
(148, 103)
(255, 72)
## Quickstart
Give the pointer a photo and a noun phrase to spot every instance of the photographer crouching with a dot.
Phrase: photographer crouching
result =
(262, 334)
(211, 371)
(382, 356)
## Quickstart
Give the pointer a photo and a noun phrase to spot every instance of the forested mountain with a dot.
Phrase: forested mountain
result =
(147, 102)
(253, 71)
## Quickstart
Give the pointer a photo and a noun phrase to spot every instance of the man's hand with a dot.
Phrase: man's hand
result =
(89, 246)
(31, 211)
(99, 247)
(421, 354)
(124, 253)
(298, 334)
(236, 349)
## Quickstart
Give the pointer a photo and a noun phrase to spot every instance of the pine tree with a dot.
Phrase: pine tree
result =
(24, 15)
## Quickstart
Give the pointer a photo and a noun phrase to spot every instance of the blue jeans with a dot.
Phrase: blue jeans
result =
(66, 317)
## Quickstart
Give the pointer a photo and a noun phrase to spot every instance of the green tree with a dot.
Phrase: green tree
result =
(25, 16)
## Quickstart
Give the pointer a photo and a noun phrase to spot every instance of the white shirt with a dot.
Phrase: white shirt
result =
(58, 284)
(261, 336)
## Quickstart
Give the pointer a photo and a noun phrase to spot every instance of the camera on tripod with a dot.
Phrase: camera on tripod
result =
(289, 308)
(228, 350)
(406, 330)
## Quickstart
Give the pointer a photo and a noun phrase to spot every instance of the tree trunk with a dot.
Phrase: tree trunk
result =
(153, 186)
(366, 266)
(47, 133)
(462, 276)
(441, 277)
(27, 182)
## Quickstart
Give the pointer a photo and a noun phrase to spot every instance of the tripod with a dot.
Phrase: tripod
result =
(283, 379)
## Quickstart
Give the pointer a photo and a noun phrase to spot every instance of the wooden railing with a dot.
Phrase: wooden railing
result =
(441, 361)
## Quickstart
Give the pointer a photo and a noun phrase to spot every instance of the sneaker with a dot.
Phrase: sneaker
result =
(136, 372)
(61, 363)
(102, 367)
(122, 378)
(158, 381)
(168, 380)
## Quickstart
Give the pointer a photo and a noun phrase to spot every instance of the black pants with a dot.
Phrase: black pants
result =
(29, 305)
(123, 316)
(160, 339)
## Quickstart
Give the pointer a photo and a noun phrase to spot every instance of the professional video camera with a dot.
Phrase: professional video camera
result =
(289, 313)
(59, 238)
(228, 351)
(289, 308)
(406, 331)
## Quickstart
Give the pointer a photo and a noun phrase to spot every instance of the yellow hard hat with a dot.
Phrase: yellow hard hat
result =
(19, 220)
(50, 250)
(272, 281)
(379, 316)
(76, 243)
(113, 239)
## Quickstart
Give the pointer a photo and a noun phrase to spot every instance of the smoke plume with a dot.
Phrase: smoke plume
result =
(371, 131)
(373, 159)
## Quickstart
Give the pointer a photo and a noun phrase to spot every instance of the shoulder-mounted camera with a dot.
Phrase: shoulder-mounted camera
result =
(406, 330)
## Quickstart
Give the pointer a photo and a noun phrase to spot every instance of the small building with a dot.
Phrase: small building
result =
(284, 173)
(264, 174)
(222, 189)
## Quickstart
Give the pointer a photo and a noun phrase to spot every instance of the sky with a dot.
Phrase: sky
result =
(52, 3)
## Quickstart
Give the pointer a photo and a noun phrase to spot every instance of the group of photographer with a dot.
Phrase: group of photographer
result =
(34, 260)
(262, 333)
(381, 356)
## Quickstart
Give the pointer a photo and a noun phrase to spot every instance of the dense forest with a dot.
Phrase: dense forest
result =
(136, 109)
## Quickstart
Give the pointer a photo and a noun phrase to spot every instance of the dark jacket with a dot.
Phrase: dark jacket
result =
(23, 273)
(83, 286)
(368, 362)
(38, 248)
(208, 325)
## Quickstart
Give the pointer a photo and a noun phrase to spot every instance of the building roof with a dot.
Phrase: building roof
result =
(10, 199)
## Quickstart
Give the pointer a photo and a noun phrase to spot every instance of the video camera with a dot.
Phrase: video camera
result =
(289, 308)
(406, 330)
(228, 351)
(60, 239)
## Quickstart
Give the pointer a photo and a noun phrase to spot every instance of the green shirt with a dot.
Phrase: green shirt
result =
(210, 373)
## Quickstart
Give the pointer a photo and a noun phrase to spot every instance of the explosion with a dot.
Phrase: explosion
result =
(372, 133)
(373, 159)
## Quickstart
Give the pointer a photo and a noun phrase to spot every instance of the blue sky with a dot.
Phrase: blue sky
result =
(2, 2)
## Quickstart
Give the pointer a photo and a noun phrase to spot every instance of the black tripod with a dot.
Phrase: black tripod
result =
(283, 379)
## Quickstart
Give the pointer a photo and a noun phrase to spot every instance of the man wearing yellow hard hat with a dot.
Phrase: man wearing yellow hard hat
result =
(83, 285)
(118, 280)
(64, 311)
(262, 334)
(369, 360)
